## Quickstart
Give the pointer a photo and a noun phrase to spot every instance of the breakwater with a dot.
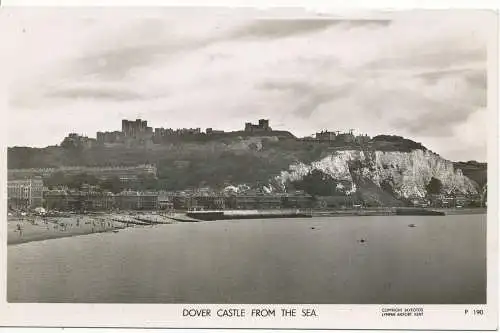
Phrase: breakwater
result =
(354, 212)
(269, 214)
(246, 214)
(141, 219)
(383, 211)
(419, 212)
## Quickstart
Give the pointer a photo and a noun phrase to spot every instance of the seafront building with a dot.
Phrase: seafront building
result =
(56, 200)
(24, 194)
(91, 198)
(78, 201)
(449, 201)
(97, 200)
(135, 200)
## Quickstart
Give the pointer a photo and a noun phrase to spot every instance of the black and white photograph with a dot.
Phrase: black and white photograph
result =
(197, 156)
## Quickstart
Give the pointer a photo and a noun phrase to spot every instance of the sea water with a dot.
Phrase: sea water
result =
(343, 260)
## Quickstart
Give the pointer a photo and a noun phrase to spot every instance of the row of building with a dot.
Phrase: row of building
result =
(30, 193)
(124, 173)
(337, 136)
(449, 201)
(70, 200)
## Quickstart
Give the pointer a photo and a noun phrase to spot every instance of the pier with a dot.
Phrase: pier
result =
(246, 214)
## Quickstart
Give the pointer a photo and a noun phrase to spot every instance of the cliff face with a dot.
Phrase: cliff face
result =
(405, 174)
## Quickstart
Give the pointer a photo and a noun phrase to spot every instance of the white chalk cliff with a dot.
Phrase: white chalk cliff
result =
(407, 172)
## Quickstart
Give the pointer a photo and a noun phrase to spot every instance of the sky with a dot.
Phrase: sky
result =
(421, 75)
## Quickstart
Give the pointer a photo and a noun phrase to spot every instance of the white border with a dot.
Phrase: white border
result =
(331, 316)
(352, 5)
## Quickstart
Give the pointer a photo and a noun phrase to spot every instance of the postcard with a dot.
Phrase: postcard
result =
(224, 167)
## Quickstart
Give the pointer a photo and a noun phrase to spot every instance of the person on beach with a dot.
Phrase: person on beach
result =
(20, 230)
(78, 222)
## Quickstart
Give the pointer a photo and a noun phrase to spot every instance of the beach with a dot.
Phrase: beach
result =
(38, 229)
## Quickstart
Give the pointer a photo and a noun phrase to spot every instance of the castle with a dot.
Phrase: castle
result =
(262, 126)
(138, 133)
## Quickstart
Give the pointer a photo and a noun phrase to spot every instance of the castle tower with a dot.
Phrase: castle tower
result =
(264, 124)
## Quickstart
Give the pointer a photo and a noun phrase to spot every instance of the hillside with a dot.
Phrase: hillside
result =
(184, 164)
(197, 147)
(386, 168)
